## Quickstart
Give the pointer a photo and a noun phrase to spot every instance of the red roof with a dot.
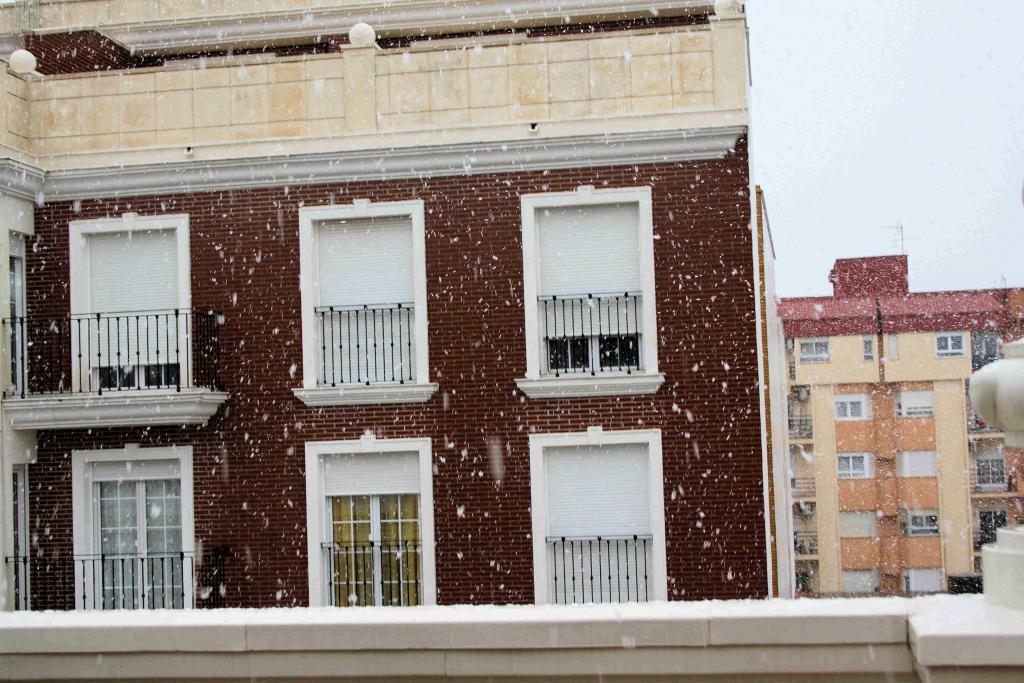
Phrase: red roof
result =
(913, 312)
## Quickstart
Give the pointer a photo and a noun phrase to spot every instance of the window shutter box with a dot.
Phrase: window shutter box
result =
(598, 491)
(589, 250)
(120, 470)
(371, 474)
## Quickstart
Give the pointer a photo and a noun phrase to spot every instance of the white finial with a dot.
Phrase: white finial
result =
(22, 62)
(362, 35)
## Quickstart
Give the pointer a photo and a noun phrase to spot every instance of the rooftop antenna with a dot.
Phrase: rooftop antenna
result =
(898, 239)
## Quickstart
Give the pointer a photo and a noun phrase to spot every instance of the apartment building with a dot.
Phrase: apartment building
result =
(896, 483)
(384, 303)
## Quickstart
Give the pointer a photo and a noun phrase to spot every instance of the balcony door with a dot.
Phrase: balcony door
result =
(365, 301)
(133, 528)
(139, 536)
(374, 551)
(599, 542)
(130, 319)
(373, 548)
(590, 304)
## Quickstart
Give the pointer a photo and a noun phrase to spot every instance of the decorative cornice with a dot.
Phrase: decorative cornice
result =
(424, 17)
(383, 164)
(20, 180)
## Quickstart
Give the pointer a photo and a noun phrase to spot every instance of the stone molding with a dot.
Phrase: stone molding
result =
(27, 182)
(425, 17)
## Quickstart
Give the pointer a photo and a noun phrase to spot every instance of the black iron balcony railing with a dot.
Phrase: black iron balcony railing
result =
(993, 482)
(801, 427)
(805, 542)
(101, 582)
(364, 574)
(591, 334)
(114, 352)
(802, 487)
(366, 344)
(600, 569)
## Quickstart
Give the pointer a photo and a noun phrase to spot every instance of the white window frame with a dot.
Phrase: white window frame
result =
(893, 347)
(998, 454)
(864, 400)
(309, 286)
(950, 353)
(902, 469)
(80, 231)
(869, 465)
(83, 510)
(318, 516)
(81, 281)
(596, 436)
(922, 531)
(645, 381)
(814, 357)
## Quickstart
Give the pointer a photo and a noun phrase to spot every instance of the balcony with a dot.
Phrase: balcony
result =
(801, 427)
(600, 569)
(802, 487)
(805, 542)
(114, 369)
(592, 344)
(373, 574)
(106, 582)
(367, 354)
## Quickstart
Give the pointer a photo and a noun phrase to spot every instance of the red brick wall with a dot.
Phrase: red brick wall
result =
(249, 460)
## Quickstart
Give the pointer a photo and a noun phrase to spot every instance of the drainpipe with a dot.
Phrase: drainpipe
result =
(997, 393)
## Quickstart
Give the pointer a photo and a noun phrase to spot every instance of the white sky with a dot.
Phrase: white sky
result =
(870, 113)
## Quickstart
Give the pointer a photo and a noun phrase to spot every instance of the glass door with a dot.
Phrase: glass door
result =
(374, 550)
(140, 564)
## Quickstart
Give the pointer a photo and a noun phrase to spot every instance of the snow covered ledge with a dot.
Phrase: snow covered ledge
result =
(941, 638)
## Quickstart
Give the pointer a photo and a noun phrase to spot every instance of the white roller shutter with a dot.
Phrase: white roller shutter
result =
(133, 271)
(918, 464)
(371, 473)
(598, 490)
(589, 249)
(367, 261)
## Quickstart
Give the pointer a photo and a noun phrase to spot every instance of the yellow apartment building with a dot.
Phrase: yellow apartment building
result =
(895, 483)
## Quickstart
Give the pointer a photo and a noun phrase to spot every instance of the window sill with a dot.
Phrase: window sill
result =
(128, 409)
(589, 385)
(359, 394)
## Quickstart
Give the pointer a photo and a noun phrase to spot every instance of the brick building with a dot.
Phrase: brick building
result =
(895, 482)
(461, 313)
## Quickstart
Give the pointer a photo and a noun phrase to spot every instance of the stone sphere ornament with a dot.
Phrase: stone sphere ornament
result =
(21, 62)
(362, 35)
